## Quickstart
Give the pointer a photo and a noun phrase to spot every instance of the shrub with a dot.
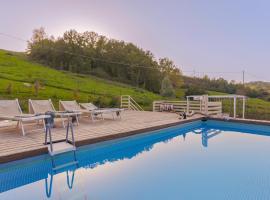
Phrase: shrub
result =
(36, 87)
(194, 90)
(9, 88)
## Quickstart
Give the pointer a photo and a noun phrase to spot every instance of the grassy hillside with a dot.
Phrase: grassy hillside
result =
(18, 77)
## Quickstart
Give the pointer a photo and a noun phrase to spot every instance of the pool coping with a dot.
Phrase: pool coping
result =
(243, 121)
(44, 150)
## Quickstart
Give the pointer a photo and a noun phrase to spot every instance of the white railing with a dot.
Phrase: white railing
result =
(178, 106)
(129, 103)
(213, 108)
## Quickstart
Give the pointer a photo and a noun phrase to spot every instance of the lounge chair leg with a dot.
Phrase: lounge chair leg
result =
(46, 135)
(18, 124)
(63, 122)
(23, 131)
(92, 117)
(77, 119)
(44, 125)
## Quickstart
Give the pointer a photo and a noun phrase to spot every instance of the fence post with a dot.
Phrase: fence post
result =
(187, 104)
(128, 102)
(205, 104)
(244, 105)
(234, 107)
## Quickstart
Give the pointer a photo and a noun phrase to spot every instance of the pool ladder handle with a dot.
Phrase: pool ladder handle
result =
(48, 186)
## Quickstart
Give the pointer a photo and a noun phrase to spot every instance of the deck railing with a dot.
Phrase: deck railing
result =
(213, 108)
(129, 103)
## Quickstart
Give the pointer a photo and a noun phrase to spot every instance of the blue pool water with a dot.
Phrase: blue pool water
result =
(199, 160)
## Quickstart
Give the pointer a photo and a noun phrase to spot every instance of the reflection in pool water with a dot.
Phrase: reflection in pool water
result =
(166, 164)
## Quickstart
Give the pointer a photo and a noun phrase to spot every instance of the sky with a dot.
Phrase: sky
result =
(204, 37)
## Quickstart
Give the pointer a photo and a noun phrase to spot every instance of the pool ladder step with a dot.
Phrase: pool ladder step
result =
(65, 165)
(61, 146)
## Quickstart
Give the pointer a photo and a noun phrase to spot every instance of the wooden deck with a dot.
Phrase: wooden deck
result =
(14, 146)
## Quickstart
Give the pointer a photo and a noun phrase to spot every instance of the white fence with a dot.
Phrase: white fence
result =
(213, 108)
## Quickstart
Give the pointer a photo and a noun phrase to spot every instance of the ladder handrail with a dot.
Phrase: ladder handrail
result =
(128, 102)
(69, 129)
(136, 104)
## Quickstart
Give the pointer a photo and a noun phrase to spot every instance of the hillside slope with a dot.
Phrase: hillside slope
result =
(18, 75)
(19, 78)
(260, 85)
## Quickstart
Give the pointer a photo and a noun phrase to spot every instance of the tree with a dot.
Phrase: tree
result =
(37, 87)
(168, 68)
(39, 35)
(194, 90)
(9, 88)
(91, 53)
(167, 88)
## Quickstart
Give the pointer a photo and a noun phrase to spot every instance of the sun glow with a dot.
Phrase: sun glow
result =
(60, 30)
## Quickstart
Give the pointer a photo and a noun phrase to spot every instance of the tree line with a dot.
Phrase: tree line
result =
(202, 85)
(91, 53)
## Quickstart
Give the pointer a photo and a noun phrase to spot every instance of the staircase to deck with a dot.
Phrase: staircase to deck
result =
(127, 102)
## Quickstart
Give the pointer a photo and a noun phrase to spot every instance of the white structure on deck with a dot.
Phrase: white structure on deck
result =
(195, 105)
(127, 102)
(206, 101)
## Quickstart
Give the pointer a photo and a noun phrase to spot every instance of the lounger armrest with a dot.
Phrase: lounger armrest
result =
(67, 114)
(31, 118)
(6, 117)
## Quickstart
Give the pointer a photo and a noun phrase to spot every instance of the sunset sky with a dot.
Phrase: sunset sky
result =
(218, 38)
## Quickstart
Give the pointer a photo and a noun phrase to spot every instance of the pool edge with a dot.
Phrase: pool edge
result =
(244, 121)
(44, 150)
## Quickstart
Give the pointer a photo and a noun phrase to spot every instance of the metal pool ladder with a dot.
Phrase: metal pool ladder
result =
(61, 146)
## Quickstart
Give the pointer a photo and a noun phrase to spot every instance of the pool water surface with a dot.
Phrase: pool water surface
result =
(198, 160)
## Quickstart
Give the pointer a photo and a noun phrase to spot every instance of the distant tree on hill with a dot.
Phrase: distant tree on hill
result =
(168, 68)
(9, 88)
(167, 88)
(37, 87)
(195, 90)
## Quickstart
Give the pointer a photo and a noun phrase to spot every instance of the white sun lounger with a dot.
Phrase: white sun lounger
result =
(96, 111)
(43, 106)
(11, 110)
(73, 106)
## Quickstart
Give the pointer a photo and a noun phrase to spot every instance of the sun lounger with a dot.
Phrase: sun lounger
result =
(100, 111)
(11, 110)
(45, 106)
(73, 106)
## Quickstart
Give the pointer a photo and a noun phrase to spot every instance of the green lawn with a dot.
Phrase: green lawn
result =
(17, 76)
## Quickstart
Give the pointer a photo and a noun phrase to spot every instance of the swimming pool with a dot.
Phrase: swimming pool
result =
(198, 160)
